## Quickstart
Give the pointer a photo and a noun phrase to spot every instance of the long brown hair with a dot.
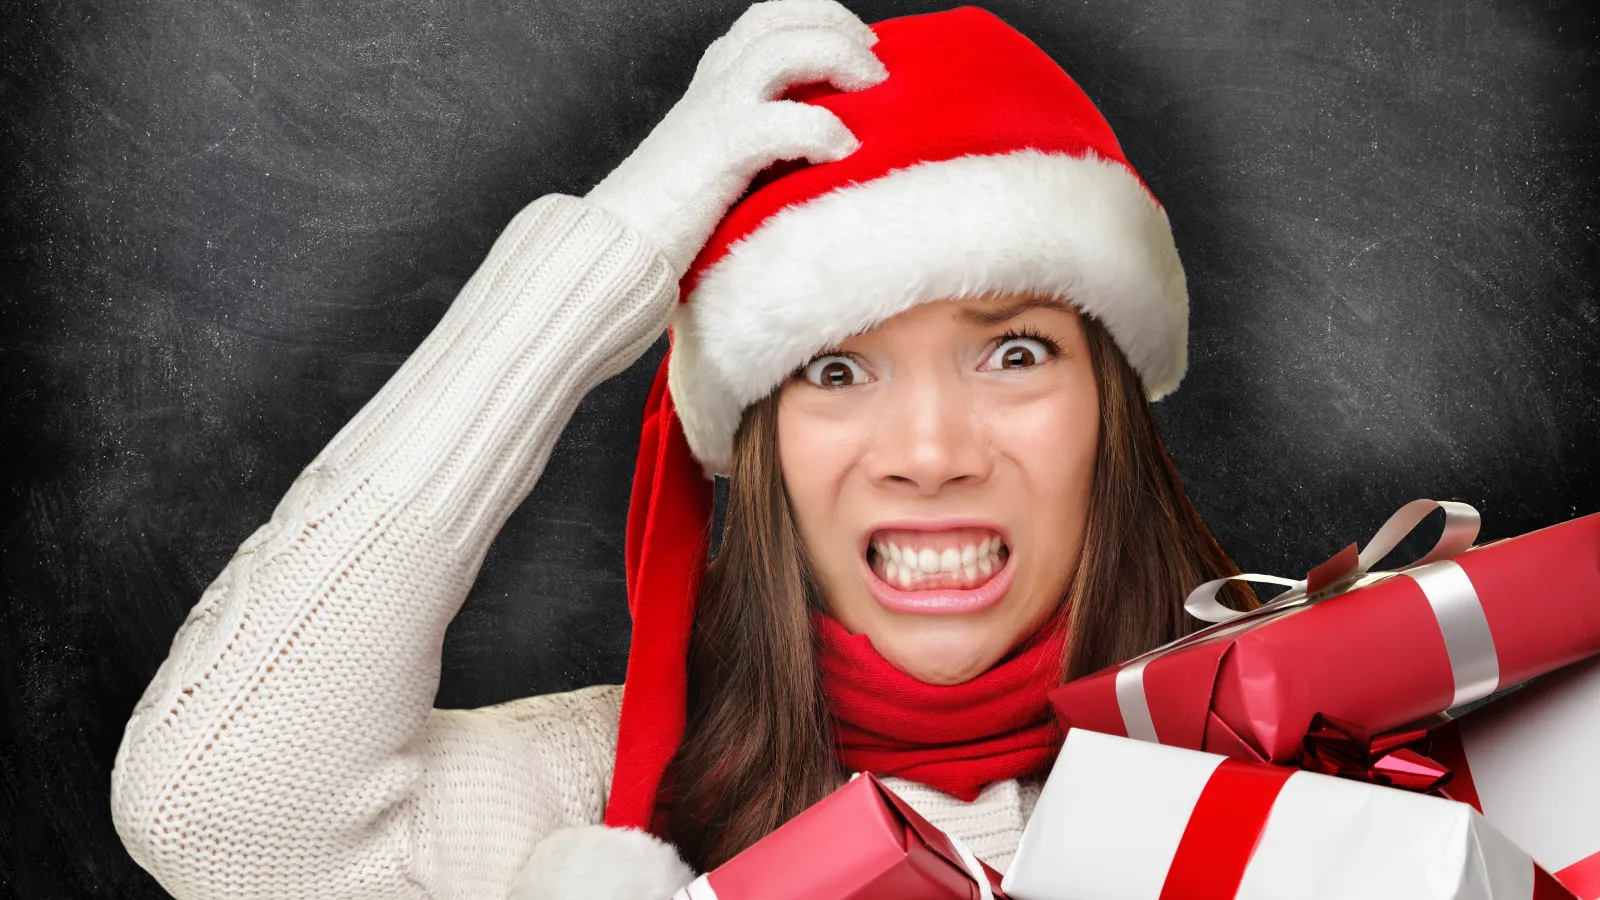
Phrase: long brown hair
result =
(758, 748)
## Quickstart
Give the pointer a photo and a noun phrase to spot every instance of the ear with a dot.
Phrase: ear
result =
(603, 864)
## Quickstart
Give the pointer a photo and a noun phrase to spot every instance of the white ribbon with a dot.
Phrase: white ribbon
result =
(1467, 638)
(968, 859)
(1348, 570)
(1135, 709)
(1474, 665)
(698, 889)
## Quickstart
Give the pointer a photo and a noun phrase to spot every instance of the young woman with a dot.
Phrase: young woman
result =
(926, 303)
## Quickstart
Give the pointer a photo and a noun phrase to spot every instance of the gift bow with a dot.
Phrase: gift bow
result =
(1467, 639)
(1474, 665)
(1347, 569)
(1392, 759)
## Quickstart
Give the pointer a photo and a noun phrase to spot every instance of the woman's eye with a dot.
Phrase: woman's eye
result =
(835, 371)
(1017, 353)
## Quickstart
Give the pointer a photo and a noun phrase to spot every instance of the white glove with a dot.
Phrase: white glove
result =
(680, 181)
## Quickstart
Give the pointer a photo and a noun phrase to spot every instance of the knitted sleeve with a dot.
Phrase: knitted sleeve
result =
(287, 747)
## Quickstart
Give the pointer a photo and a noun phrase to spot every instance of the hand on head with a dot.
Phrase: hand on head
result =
(729, 125)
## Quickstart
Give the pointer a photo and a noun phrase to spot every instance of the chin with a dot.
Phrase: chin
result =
(943, 659)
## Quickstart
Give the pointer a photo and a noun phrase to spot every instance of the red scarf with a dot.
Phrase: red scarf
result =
(956, 738)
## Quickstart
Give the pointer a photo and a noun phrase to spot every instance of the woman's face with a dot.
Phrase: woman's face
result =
(939, 469)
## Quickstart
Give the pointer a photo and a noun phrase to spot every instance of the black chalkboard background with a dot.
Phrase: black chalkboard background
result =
(224, 225)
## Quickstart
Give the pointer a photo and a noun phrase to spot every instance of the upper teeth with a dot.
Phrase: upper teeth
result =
(984, 556)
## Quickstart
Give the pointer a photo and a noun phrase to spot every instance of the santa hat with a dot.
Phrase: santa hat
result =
(982, 167)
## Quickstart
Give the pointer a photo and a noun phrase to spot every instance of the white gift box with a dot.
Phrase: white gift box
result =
(1531, 763)
(1114, 823)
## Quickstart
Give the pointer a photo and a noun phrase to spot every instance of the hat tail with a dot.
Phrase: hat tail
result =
(669, 529)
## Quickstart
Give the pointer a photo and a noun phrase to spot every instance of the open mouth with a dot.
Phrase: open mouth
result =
(959, 559)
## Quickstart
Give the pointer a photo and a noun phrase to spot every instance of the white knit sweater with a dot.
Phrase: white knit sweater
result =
(288, 746)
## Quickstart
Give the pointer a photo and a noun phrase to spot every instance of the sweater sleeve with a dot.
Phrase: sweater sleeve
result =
(287, 747)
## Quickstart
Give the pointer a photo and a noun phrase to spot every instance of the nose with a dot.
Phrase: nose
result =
(930, 437)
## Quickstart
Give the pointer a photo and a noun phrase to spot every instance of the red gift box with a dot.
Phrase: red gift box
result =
(1375, 649)
(860, 842)
(1527, 762)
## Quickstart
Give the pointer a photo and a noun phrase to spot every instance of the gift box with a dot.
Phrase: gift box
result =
(1376, 649)
(859, 843)
(1121, 819)
(1528, 763)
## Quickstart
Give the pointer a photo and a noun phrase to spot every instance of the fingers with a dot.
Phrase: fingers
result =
(730, 115)
(775, 17)
(781, 59)
(779, 15)
(786, 129)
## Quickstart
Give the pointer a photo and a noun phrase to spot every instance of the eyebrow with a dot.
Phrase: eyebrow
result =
(1005, 313)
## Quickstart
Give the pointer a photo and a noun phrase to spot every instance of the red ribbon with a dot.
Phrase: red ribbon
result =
(1223, 831)
(1582, 878)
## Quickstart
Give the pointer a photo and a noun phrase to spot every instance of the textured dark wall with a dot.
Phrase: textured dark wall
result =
(224, 225)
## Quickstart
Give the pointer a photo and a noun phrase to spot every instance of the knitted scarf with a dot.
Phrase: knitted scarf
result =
(954, 738)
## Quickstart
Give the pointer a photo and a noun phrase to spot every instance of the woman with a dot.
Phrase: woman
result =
(923, 350)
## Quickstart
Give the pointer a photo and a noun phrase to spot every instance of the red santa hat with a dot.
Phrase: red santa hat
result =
(982, 167)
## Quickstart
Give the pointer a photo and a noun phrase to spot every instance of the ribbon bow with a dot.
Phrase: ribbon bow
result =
(1392, 759)
(1348, 569)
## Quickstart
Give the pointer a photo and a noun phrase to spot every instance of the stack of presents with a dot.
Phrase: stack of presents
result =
(1311, 748)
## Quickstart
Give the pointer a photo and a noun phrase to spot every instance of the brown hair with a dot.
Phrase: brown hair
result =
(758, 747)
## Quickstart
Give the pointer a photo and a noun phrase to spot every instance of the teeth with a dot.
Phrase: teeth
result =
(908, 567)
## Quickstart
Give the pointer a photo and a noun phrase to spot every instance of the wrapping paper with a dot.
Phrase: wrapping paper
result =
(1377, 650)
(1530, 762)
(859, 843)
(1121, 819)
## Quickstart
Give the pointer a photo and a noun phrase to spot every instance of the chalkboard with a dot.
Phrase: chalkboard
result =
(225, 225)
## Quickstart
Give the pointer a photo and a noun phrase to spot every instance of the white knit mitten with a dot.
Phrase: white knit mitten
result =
(727, 127)
(600, 863)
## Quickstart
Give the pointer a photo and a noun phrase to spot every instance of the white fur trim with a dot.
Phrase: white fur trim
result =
(1081, 228)
(601, 863)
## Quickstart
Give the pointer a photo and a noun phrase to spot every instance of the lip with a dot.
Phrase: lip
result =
(944, 601)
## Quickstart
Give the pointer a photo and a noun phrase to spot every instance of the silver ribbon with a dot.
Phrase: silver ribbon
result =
(974, 868)
(698, 889)
(1474, 665)
(1467, 638)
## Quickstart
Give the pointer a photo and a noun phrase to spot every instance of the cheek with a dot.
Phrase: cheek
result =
(1050, 444)
(816, 453)
(1052, 440)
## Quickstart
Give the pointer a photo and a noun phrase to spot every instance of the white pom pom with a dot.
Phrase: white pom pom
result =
(601, 863)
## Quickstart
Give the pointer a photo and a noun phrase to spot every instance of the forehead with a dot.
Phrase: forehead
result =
(986, 310)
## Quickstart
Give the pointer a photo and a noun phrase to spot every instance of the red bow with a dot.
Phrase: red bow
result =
(1392, 759)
